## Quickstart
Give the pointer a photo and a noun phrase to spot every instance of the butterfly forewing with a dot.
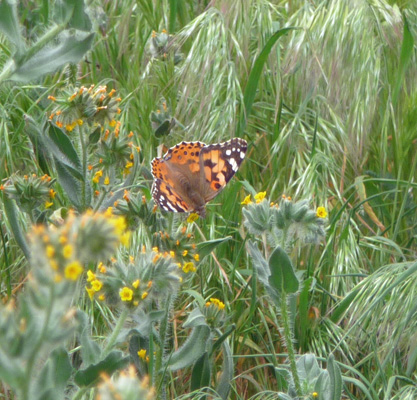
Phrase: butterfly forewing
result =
(220, 162)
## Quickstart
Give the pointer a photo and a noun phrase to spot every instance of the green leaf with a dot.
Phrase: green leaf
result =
(191, 350)
(407, 50)
(201, 374)
(335, 378)
(54, 376)
(259, 262)
(11, 212)
(49, 59)
(11, 372)
(205, 248)
(63, 150)
(223, 387)
(113, 362)
(282, 272)
(71, 185)
(196, 318)
(9, 24)
(79, 19)
(254, 76)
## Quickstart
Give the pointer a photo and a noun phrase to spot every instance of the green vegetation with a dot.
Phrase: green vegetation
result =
(301, 280)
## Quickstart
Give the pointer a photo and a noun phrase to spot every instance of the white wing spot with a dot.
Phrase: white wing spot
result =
(242, 154)
(233, 164)
(161, 197)
(165, 208)
(228, 152)
(234, 149)
(171, 207)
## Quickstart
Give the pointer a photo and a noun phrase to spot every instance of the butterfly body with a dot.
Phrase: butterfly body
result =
(192, 173)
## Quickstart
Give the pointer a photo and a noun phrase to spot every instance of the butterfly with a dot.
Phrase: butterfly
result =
(190, 174)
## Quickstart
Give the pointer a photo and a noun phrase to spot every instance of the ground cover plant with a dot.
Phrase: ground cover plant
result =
(300, 281)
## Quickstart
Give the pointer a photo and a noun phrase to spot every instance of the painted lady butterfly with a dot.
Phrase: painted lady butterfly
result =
(190, 174)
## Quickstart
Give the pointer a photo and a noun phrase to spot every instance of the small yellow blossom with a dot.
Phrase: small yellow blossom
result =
(52, 193)
(91, 276)
(246, 200)
(124, 238)
(184, 253)
(149, 285)
(217, 303)
(102, 297)
(63, 239)
(142, 354)
(50, 251)
(67, 251)
(321, 212)
(315, 394)
(48, 204)
(102, 268)
(73, 270)
(192, 218)
(96, 285)
(126, 294)
(136, 283)
(144, 295)
(259, 197)
(197, 257)
(172, 254)
(112, 123)
(90, 292)
(106, 180)
(188, 267)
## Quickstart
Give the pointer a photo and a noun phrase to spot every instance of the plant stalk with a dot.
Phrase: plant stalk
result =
(289, 343)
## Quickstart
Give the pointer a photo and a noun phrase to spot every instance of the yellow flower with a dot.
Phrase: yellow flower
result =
(48, 204)
(106, 180)
(188, 267)
(192, 217)
(126, 294)
(96, 285)
(217, 303)
(50, 251)
(197, 257)
(136, 283)
(67, 251)
(246, 200)
(315, 394)
(321, 212)
(102, 297)
(73, 270)
(91, 276)
(142, 354)
(52, 193)
(90, 292)
(124, 238)
(172, 254)
(184, 253)
(259, 197)
(144, 295)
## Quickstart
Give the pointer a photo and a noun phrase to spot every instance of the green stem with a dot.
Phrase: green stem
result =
(288, 341)
(37, 346)
(163, 334)
(84, 166)
(115, 334)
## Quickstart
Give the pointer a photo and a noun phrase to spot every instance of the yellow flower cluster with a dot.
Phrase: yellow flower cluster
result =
(215, 302)
(259, 197)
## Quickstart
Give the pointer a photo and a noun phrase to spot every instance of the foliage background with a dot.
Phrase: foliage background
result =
(333, 120)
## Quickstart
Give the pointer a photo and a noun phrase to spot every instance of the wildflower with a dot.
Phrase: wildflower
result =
(246, 200)
(188, 267)
(149, 285)
(90, 292)
(48, 204)
(52, 98)
(142, 354)
(52, 193)
(259, 197)
(67, 251)
(184, 253)
(50, 251)
(96, 285)
(91, 276)
(102, 268)
(144, 295)
(106, 180)
(315, 394)
(126, 294)
(321, 212)
(73, 270)
(102, 297)
(217, 303)
(197, 257)
(192, 217)
(136, 283)
(126, 195)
